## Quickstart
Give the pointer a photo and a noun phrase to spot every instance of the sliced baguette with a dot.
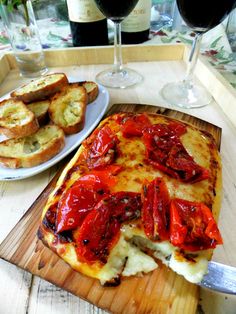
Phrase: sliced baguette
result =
(41, 88)
(34, 149)
(92, 90)
(67, 108)
(16, 120)
(40, 110)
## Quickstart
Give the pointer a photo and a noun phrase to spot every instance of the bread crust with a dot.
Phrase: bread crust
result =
(72, 129)
(23, 122)
(30, 160)
(41, 92)
(92, 90)
(71, 120)
(40, 110)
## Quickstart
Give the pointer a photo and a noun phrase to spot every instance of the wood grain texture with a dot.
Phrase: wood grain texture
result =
(161, 291)
(101, 55)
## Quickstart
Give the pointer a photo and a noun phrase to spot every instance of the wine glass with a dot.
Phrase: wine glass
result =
(200, 16)
(117, 76)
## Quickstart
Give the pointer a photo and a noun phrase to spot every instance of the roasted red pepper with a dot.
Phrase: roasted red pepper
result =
(101, 148)
(192, 226)
(81, 198)
(156, 210)
(133, 124)
(165, 151)
(184, 165)
(100, 229)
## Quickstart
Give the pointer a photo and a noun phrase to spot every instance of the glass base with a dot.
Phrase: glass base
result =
(31, 63)
(121, 79)
(33, 74)
(186, 95)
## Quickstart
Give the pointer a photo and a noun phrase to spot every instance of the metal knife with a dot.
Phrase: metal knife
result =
(220, 277)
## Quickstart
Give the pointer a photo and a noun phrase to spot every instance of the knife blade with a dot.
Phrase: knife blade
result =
(220, 277)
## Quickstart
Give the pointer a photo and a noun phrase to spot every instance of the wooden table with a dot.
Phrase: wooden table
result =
(20, 292)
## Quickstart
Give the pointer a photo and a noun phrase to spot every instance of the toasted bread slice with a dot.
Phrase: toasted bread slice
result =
(40, 110)
(34, 149)
(41, 88)
(67, 108)
(91, 89)
(16, 120)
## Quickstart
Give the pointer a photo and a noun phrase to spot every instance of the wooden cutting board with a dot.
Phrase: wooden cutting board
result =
(161, 291)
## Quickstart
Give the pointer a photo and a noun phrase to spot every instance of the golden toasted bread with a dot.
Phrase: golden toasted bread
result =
(91, 89)
(41, 88)
(34, 149)
(16, 120)
(67, 108)
(40, 110)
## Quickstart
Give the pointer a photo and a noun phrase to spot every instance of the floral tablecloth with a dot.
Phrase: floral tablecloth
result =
(55, 33)
(214, 46)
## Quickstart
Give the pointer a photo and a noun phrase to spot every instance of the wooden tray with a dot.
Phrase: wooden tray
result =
(161, 291)
(214, 82)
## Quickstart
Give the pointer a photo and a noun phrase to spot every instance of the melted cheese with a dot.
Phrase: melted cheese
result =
(127, 260)
(193, 269)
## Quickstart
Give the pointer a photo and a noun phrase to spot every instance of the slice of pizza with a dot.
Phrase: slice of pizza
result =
(141, 188)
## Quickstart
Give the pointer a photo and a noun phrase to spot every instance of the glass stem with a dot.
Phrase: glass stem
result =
(193, 60)
(26, 12)
(117, 47)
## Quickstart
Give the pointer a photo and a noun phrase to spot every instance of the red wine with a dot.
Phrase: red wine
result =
(202, 15)
(88, 25)
(136, 26)
(116, 10)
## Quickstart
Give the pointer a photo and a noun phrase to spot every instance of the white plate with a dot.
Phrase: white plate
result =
(94, 114)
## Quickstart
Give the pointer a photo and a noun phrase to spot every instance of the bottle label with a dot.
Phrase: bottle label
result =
(139, 19)
(83, 11)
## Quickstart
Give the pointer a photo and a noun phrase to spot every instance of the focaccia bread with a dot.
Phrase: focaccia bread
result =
(141, 188)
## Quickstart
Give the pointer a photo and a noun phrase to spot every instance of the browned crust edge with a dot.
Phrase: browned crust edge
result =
(44, 92)
(78, 126)
(36, 159)
(72, 129)
(21, 130)
(92, 94)
(16, 131)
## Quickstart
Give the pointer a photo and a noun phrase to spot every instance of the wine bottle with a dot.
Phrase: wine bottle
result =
(88, 25)
(135, 28)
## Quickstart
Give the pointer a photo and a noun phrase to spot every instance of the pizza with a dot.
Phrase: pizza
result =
(141, 188)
